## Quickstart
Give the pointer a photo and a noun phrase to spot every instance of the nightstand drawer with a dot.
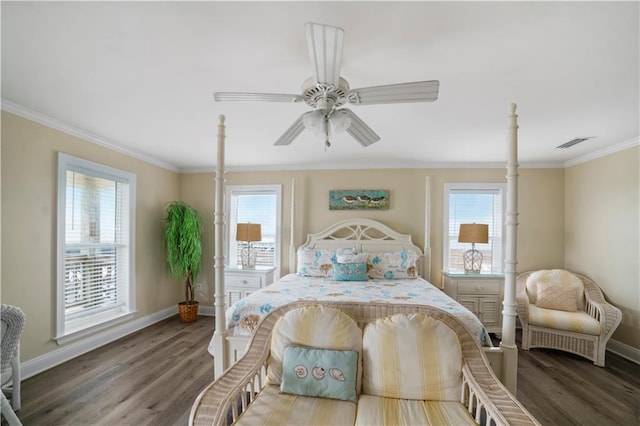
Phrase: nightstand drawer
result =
(478, 287)
(243, 281)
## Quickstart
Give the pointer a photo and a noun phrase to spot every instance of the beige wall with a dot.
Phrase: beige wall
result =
(546, 198)
(541, 230)
(29, 159)
(601, 232)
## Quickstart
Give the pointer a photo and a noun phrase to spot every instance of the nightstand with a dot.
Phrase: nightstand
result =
(482, 294)
(239, 283)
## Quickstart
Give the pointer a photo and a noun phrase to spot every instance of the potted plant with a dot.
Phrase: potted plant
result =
(183, 240)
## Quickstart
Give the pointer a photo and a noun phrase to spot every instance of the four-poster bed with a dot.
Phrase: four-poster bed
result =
(372, 237)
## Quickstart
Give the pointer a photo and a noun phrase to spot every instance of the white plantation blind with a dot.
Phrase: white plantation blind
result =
(255, 204)
(474, 203)
(95, 220)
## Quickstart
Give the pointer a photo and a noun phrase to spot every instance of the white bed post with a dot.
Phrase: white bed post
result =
(508, 343)
(292, 244)
(220, 361)
(427, 230)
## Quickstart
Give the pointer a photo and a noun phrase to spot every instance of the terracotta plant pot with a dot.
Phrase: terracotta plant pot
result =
(188, 312)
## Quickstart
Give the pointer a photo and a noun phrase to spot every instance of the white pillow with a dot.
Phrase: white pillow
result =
(352, 258)
(315, 262)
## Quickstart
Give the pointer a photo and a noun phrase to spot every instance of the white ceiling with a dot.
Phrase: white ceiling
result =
(141, 75)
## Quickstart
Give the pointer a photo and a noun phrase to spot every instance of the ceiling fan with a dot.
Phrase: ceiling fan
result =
(327, 92)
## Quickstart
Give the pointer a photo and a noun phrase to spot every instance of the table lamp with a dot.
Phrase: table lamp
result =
(248, 232)
(473, 233)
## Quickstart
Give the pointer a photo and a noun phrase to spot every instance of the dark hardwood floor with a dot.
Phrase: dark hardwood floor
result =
(148, 378)
(559, 388)
(152, 377)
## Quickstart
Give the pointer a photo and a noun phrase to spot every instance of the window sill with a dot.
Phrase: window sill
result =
(78, 332)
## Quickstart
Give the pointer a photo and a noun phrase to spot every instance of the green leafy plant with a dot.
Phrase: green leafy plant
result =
(183, 240)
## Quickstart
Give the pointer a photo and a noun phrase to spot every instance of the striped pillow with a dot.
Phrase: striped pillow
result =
(411, 357)
(314, 326)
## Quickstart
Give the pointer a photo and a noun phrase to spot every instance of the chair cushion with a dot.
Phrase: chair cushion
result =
(556, 276)
(274, 408)
(577, 322)
(375, 410)
(314, 326)
(557, 296)
(411, 357)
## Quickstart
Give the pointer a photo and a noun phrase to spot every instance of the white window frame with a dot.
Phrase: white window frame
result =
(234, 190)
(72, 330)
(448, 187)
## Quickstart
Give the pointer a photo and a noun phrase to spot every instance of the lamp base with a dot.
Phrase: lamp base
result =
(472, 261)
(248, 256)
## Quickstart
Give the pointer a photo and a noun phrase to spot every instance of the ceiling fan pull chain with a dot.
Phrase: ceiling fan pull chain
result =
(327, 144)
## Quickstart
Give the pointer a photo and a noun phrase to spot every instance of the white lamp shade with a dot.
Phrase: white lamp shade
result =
(337, 123)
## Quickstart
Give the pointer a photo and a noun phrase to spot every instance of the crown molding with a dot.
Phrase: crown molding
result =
(603, 152)
(82, 134)
(358, 166)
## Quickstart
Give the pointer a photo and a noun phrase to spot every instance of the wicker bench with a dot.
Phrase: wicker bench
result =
(389, 389)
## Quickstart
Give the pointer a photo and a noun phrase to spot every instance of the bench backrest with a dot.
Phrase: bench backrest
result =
(412, 357)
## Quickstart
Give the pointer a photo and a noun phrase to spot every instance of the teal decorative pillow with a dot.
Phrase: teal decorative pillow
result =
(350, 271)
(325, 373)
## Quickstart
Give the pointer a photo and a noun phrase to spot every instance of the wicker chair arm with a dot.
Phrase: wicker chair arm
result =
(522, 299)
(229, 392)
(596, 305)
(489, 404)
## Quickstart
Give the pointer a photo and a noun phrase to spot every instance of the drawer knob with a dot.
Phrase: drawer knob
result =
(479, 288)
(244, 281)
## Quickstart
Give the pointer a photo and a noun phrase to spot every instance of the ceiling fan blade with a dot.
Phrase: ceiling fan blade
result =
(292, 132)
(359, 130)
(419, 91)
(325, 51)
(255, 97)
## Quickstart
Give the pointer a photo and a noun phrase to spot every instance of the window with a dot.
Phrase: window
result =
(254, 204)
(474, 203)
(96, 229)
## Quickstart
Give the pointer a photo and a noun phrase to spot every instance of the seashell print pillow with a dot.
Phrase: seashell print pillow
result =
(319, 372)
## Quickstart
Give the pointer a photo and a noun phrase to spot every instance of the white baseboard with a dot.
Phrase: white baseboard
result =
(207, 311)
(65, 353)
(624, 350)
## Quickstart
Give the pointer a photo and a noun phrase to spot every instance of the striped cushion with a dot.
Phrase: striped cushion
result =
(577, 322)
(375, 410)
(318, 327)
(273, 408)
(556, 276)
(411, 357)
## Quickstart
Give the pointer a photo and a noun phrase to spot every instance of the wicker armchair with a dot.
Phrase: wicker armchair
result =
(584, 332)
(12, 319)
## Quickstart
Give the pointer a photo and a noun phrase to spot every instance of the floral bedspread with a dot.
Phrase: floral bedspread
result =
(245, 314)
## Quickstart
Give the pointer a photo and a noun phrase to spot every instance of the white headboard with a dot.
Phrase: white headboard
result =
(367, 236)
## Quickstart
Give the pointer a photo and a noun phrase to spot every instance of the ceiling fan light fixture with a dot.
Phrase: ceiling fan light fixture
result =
(325, 128)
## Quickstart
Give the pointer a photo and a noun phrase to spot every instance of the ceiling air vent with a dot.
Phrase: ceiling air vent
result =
(573, 142)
